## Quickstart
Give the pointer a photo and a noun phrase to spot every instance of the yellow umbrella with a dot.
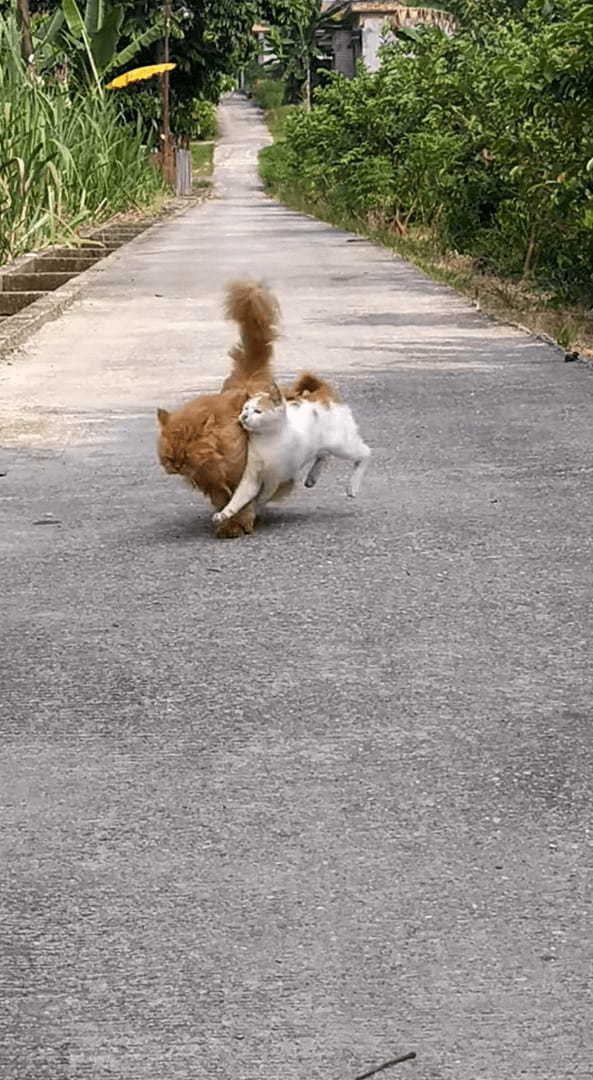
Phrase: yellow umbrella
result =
(138, 73)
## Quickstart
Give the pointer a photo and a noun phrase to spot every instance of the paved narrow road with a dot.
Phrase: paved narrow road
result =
(289, 806)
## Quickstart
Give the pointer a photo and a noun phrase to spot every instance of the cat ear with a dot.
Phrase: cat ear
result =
(163, 417)
(276, 395)
(210, 422)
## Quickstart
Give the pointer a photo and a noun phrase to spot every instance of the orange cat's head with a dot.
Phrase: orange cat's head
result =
(174, 444)
(203, 441)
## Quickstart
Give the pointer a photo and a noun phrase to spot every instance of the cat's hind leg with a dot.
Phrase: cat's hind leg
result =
(360, 466)
(356, 450)
(315, 471)
(281, 492)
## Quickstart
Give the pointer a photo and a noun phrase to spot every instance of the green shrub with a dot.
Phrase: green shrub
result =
(194, 119)
(268, 93)
(204, 115)
(485, 139)
(275, 166)
(140, 105)
(276, 119)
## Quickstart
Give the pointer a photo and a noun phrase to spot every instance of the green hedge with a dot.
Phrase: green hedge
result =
(485, 138)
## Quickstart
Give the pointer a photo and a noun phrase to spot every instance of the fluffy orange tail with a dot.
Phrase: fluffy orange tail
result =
(253, 307)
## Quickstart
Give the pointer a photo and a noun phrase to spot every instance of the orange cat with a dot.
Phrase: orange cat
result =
(203, 441)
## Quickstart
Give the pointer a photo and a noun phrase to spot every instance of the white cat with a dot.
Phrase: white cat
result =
(287, 438)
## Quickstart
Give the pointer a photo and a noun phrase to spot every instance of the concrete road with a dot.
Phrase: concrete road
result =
(290, 806)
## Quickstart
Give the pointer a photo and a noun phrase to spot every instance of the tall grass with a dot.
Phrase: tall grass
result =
(66, 156)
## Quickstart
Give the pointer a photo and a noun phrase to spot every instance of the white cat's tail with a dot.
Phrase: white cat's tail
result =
(255, 310)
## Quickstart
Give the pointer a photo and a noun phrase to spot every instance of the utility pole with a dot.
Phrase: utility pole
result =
(168, 160)
(25, 24)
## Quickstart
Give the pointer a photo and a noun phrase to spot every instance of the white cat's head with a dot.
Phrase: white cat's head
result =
(263, 411)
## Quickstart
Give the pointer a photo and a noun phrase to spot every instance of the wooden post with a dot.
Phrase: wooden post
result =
(167, 155)
(183, 180)
(25, 24)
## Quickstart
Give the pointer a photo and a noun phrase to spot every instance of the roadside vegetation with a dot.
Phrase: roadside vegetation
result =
(202, 144)
(202, 156)
(65, 157)
(471, 154)
(74, 152)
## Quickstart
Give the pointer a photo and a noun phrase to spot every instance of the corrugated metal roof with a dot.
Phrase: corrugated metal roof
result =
(404, 14)
(375, 7)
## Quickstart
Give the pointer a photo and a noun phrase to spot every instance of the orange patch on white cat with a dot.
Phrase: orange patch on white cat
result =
(312, 388)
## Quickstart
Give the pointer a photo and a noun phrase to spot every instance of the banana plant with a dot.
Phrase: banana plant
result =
(97, 33)
(303, 41)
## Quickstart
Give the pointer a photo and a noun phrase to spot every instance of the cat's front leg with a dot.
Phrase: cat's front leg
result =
(245, 493)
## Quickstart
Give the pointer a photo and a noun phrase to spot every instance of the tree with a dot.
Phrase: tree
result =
(215, 39)
(209, 39)
(301, 40)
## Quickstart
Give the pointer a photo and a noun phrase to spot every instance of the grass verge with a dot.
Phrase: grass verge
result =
(202, 157)
(276, 119)
(519, 303)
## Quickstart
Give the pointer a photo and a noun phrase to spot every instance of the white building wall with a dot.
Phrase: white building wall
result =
(372, 37)
(343, 53)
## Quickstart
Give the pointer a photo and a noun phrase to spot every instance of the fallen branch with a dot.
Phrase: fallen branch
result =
(386, 1065)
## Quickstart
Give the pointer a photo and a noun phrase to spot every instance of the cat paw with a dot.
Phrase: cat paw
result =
(230, 529)
(219, 517)
(310, 481)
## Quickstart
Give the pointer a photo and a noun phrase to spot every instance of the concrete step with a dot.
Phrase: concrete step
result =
(11, 302)
(63, 264)
(45, 282)
(113, 237)
(40, 274)
(91, 250)
(102, 248)
(119, 230)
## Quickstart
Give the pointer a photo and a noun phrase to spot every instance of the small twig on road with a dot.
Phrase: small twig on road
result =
(386, 1065)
